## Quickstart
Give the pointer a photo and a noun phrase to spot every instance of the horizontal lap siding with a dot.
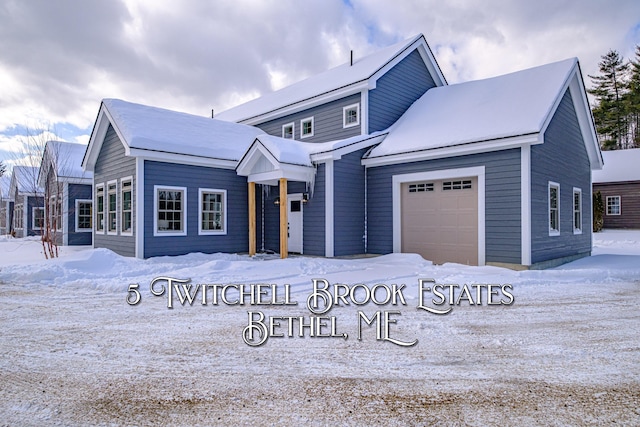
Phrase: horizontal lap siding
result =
(194, 178)
(563, 159)
(349, 204)
(397, 90)
(629, 193)
(112, 164)
(77, 191)
(502, 201)
(327, 121)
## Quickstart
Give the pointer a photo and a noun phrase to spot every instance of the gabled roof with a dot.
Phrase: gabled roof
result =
(165, 135)
(25, 180)
(5, 184)
(494, 113)
(336, 82)
(619, 166)
(66, 159)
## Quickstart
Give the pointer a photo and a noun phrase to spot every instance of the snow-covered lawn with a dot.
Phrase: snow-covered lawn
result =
(73, 352)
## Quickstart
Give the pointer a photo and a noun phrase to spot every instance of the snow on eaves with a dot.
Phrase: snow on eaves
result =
(157, 129)
(336, 78)
(25, 179)
(500, 107)
(619, 166)
(68, 158)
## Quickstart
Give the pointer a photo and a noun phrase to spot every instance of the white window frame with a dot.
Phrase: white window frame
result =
(110, 232)
(619, 205)
(96, 222)
(128, 179)
(302, 122)
(552, 231)
(293, 130)
(77, 216)
(201, 193)
(158, 233)
(55, 213)
(33, 217)
(577, 228)
(344, 115)
(18, 216)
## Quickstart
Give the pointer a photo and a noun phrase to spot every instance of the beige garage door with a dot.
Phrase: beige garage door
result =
(439, 220)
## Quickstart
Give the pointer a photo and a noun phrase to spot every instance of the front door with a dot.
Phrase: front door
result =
(295, 222)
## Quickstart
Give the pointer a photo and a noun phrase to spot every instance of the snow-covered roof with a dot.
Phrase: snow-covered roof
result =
(25, 179)
(5, 184)
(156, 131)
(67, 158)
(335, 79)
(619, 166)
(511, 105)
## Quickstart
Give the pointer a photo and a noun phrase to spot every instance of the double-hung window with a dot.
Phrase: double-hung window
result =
(126, 222)
(170, 211)
(577, 211)
(83, 215)
(37, 219)
(554, 209)
(100, 208)
(18, 217)
(213, 205)
(613, 205)
(112, 207)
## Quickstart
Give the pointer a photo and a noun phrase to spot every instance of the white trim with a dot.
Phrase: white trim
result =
(454, 150)
(606, 206)
(293, 130)
(202, 232)
(18, 207)
(398, 180)
(577, 190)
(302, 122)
(33, 217)
(77, 215)
(346, 125)
(328, 210)
(550, 185)
(182, 159)
(157, 233)
(138, 207)
(297, 197)
(337, 153)
(364, 122)
(108, 208)
(525, 204)
(122, 181)
(65, 214)
(96, 204)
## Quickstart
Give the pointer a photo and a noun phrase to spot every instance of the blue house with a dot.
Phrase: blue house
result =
(378, 155)
(68, 195)
(28, 201)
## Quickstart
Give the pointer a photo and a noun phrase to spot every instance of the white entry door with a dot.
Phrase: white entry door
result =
(295, 222)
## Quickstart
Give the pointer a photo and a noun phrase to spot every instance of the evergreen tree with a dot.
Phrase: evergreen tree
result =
(610, 112)
(633, 100)
(3, 168)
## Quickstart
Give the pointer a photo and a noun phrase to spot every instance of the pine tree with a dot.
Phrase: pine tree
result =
(3, 168)
(633, 99)
(610, 112)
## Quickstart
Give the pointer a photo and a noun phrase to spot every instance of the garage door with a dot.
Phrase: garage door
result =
(439, 220)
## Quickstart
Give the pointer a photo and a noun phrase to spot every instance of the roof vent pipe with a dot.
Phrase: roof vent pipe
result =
(212, 113)
(352, 58)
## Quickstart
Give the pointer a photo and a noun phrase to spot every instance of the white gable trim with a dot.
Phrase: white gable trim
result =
(97, 138)
(396, 190)
(183, 159)
(278, 170)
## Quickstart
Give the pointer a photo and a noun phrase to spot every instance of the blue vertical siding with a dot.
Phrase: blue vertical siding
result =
(397, 90)
(77, 191)
(194, 178)
(328, 122)
(348, 199)
(562, 158)
(502, 201)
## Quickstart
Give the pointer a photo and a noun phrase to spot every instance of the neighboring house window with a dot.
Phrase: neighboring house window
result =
(351, 115)
(37, 218)
(55, 213)
(58, 212)
(577, 211)
(126, 214)
(171, 211)
(18, 217)
(112, 207)
(306, 127)
(213, 218)
(83, 215)
(613, 205)
(100, 208)
(554, 211)
(288, 131)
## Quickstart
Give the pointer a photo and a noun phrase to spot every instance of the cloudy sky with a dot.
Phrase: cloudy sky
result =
(59, 58)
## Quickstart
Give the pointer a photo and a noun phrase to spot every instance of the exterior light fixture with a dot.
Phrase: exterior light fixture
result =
(277, 201)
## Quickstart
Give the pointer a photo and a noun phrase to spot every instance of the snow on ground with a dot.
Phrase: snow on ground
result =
(73, 352)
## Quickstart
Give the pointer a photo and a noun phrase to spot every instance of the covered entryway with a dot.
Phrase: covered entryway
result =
(439, 219)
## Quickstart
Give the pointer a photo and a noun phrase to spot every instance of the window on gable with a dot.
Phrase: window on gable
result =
(288, 131)
(84, 215)
(351, 116)
(126, 211)
(213, 205)
(170, 207)
(112, 207)
(554, 211)
(613, 205)
(577, 211)
(37, 219)
(100, 208)
(306, 128)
